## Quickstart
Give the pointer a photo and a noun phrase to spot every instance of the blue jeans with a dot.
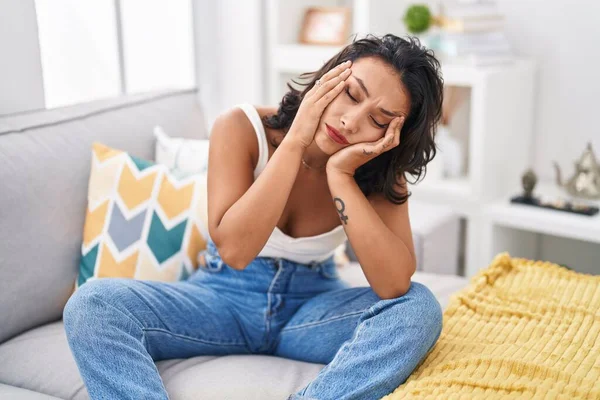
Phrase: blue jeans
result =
(117, 328)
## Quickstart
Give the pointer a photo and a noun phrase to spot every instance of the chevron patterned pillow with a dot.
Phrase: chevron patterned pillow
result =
(142, 221)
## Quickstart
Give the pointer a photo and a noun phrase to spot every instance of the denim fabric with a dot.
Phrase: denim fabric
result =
(117, 328)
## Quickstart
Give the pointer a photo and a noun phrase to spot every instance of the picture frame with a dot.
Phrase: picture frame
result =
(325, 26)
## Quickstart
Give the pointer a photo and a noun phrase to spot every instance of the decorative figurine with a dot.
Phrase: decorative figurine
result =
(586, 181)
(529, 180)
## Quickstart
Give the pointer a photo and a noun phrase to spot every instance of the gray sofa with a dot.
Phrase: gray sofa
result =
(44, 171)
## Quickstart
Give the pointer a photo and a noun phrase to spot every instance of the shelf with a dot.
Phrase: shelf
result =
(469, 75)
(456, 193)
(298, 58)
(539, 220)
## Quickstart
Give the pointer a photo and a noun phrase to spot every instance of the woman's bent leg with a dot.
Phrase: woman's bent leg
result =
(117, 328)
(371, 345)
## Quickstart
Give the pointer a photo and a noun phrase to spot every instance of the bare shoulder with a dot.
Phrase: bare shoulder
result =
(233, 129)
(233, 154)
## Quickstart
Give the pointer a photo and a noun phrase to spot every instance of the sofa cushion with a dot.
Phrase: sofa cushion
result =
(142, 221)
(40, 360)
(44, 170)
(15, 393)
(182, 156)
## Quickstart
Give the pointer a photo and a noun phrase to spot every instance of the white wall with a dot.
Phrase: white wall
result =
(229, 54)
(564, 37)
(21, 86)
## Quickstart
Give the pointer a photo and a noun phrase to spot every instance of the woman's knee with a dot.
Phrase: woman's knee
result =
(91, 298)
(419, 307)
(429, 307)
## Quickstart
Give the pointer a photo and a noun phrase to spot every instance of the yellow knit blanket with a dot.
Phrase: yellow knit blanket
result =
(521, 329)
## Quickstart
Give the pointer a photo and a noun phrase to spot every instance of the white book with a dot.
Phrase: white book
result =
(474, 37)
(451, 49)
(469, 10)
(472, 25)
(462, 44)
(482, 60)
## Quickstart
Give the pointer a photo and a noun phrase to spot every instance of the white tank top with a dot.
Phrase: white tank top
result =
(301, 250)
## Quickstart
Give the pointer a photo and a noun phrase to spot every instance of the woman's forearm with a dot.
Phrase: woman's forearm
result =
(249, 222)
(384, 258)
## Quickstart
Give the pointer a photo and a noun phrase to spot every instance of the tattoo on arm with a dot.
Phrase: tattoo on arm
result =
(367, 153)
(340, 206)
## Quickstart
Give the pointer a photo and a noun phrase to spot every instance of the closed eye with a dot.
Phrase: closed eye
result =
(349, 95)
(373, 119)
(379, 125)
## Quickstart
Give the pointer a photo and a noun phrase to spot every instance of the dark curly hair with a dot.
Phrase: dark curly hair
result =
(420, 74)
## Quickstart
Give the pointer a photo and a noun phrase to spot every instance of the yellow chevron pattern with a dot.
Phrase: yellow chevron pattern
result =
(103, 152)
(172, 200)
(195, 245)
(94, 222)
(169, 271)
(102, 179)
(109, 267)
(134, 191)
(142, 222)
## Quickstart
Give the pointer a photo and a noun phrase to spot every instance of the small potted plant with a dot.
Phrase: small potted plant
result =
(419, 21)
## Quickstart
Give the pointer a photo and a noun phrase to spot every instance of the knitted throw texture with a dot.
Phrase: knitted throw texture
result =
(522, 329)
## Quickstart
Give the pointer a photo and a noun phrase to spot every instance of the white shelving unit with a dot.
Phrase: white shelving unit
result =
(498, 143)
(537, 233)
(496, 124)
(285, 58)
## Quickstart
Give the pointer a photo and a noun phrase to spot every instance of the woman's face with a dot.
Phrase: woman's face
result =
(372, 98)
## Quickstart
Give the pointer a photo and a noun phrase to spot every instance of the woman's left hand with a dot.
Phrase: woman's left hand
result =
(348, 159)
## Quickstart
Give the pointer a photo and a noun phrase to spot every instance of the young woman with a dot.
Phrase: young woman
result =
(286, 186)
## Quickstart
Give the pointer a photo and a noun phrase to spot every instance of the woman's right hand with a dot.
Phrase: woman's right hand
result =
(311, 109)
